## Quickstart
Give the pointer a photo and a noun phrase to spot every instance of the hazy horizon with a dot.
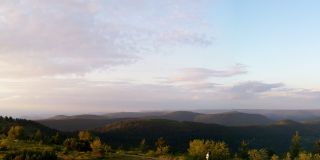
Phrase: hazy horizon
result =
(75, 57)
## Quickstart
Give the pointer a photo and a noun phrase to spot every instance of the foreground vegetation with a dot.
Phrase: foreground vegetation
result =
(26, 140)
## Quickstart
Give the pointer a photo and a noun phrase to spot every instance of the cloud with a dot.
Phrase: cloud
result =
(252, 88)
(51, 95)
(45, 38)
(200, 74)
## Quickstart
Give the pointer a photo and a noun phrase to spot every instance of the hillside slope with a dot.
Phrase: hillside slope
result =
(233, 119)
(178, 134)
(30, 127)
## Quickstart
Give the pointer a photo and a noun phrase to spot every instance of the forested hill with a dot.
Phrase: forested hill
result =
(29, 126)
(82, 122)
(276, 137)
(128, 133)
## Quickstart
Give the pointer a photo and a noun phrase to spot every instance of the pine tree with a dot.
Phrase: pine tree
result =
(162, 147)
(15, 132)
(96, 145)
(295, 147)
(38, 135)
(142, 145)
(243, 150)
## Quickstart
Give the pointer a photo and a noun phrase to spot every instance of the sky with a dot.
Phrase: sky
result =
(98, 56)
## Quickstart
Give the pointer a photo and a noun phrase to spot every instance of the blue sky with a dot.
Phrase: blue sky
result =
(131, 55)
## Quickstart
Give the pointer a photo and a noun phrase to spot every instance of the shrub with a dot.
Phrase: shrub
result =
(15, 132)
(74, 144)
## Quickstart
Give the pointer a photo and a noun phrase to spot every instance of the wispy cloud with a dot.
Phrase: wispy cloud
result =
(200, 74)
(252, 88)
(74, 37)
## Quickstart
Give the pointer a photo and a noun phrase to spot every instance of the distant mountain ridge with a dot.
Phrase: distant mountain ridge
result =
(82, 122)
(234, 119)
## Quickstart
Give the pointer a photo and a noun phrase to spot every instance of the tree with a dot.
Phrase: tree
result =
(218, 150)
(295, 147)
(55, 139)
(75, 144)
(15, 132)
(260, 154)
(275, 157)
(96, 145)
(38, 135)
(243, 150)
(85, 136)
(162, 147)
(70, 144)
(305, 156)
(142, 145)
(197, 149)
(288, 156)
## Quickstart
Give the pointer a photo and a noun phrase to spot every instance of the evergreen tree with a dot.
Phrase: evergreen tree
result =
(15, 132)
(243, 150)
(258, 154)
(288, 156)
(85, 136)
(295, 147)
(55, 139)
(162, 147)
(197, 149)
(143, 145)
(96, 145)
(305, 156)
(38, 135)
(217, 150)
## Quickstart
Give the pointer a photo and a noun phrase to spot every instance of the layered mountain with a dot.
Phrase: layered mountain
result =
(84, 122)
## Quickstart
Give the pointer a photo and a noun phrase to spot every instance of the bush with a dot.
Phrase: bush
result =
(15, 132)
(78, 145)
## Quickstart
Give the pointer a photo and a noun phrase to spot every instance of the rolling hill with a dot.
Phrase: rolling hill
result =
(84, 122)
(30, 127)
(234, 119)
(76, 124)
(178, 134)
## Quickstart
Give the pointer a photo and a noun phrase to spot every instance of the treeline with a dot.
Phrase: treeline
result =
(198, 149)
